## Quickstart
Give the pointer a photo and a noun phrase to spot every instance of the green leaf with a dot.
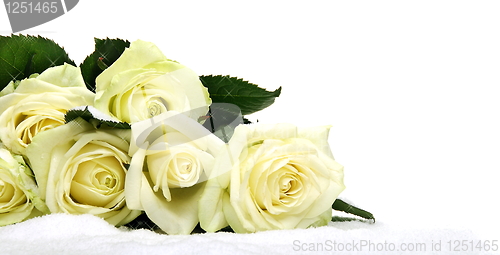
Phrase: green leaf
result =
(143, 222)
(223, 118)
(227, 229)
(97, 121)
(106, 52)
(344, 219)
(21, 56)
(247, 96)
(340, 205)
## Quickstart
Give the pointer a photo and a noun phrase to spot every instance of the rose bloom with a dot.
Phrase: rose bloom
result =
(39, 104)
(143, 83)
(272, 177)
(18, 190)
(81, 170)
(172, 157)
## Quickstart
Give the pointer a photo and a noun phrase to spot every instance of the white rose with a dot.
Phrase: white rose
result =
(172, 157)
(143, 83)
(272, 177)
(18, 190)
(81, 170)
(39, 104)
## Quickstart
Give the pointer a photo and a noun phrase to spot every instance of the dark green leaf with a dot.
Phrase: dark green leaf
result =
(226, 229)
(89, 117)
(247, 96)
(344, 219)
(21, 56)
(340, 205)
(106, 52)
(247, 121)
(222, 119)
(143, 222)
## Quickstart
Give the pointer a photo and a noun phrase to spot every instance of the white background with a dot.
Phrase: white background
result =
(409, 87)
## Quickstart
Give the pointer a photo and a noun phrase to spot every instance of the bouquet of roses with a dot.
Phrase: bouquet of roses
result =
(130, 132)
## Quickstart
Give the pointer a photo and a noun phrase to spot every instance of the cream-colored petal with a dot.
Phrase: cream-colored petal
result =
(211, 213)
(40, 152)
(6, 192)
(138, 55)
(90, 196)
(178, 216)
(133, 180)
(232, 218)
(318, 136)
(65, 75)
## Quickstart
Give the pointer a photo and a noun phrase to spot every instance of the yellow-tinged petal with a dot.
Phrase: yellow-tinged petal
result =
(276, 177)
(65, 75)
(81, 170)
(138, 55)
(143, 83)
(134, 180)
(178, 216)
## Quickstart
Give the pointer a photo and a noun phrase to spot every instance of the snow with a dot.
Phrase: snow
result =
(410, 87)
(86, 234)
